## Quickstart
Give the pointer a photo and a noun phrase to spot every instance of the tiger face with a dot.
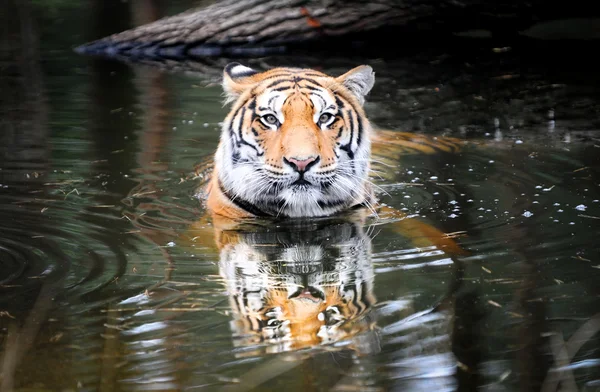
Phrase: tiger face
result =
(296, 142)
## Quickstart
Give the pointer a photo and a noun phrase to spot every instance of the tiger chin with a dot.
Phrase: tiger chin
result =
(296, 143)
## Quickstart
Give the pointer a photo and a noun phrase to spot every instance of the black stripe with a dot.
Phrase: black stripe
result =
(252, 104)
(235, 157)
(258, 153)
(241, 122)
(281, 88)
(360, 205)
(243, 141)
(311, 88)
(315, 75)
(322, 99)
(271, 100)
(331, 204)
(242, 204)
(348, 147)
(352, 125)
(355, 300)
(360, 131)
(301, 79)
(277, 82)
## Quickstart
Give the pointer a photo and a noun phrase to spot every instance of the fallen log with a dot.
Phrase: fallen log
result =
(233, 28)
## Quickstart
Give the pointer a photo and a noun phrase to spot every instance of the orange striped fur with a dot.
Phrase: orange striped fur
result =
(295, 144)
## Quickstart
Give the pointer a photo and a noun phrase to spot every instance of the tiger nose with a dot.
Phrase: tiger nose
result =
(302, 164)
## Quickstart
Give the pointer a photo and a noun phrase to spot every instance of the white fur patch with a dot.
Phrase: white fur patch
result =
(239, 71)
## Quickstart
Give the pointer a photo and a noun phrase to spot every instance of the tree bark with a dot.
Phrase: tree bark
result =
(260, 27)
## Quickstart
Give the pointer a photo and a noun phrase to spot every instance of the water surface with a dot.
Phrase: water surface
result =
(110, 281)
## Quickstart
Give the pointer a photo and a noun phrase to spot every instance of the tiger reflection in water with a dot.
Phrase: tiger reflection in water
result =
(300, 285)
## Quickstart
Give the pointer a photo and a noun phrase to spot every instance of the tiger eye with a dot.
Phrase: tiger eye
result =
(325, 117)
(270, 119)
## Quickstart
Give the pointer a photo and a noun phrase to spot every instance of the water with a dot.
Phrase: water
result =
(110, 280)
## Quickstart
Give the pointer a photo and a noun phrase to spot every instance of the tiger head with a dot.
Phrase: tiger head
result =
(296, 142)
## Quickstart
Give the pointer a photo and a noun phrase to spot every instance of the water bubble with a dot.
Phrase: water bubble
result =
(581, 207)
(170, 244)
(518, 141)
(433, 178)
(452, 216)
(527, 214)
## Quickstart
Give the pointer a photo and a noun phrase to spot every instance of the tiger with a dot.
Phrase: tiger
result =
(297, 144)
(295, 149)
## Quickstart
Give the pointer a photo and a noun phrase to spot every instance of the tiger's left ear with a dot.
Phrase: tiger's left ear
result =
(359, 81)
(236, 79)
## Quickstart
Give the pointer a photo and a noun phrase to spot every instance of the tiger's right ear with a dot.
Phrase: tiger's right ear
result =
(236, 79)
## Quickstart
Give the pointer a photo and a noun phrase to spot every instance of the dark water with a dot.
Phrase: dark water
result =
(108, 281)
